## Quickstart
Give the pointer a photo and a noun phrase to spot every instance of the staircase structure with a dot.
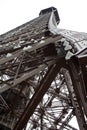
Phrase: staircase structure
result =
(43, 76)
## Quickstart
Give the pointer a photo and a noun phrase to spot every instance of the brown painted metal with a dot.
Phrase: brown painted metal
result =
(41, 90)
(33, 86)
(73, 87)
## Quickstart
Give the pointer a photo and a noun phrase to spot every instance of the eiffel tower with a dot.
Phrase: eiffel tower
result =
(43, 76)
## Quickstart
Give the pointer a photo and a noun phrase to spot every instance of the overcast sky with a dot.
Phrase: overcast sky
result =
(16, 12)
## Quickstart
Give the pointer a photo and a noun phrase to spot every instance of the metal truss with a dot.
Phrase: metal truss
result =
(43, 76)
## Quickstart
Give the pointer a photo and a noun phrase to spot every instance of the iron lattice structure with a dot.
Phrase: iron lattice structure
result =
(43, 75)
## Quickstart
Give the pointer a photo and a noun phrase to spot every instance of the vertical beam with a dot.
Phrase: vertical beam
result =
(74, 97)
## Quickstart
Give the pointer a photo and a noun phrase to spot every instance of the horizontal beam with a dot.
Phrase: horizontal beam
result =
(33, 48)
(24, 77)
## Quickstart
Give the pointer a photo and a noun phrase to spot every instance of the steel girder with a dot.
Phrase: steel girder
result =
(38, 76)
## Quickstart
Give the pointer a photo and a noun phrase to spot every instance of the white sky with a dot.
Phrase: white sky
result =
(16, 12)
